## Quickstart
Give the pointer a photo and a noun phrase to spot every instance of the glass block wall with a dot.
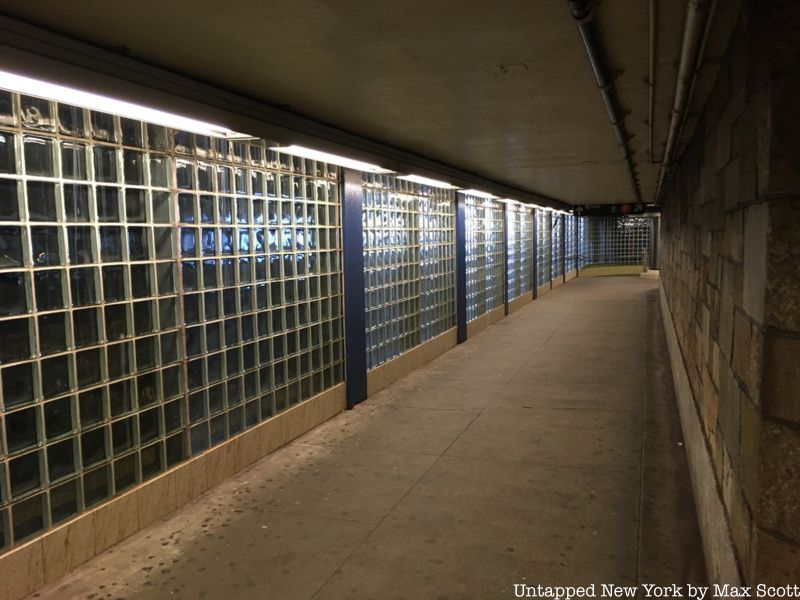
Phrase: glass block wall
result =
(159, 292)
(570, 259)
(519, 241)
(485, 239)
(543, 252)
(558, 245)
(616, 240)
(409, 264)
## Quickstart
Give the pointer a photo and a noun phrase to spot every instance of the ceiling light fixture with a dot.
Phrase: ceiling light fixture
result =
(333, 159)
(427, 181)
(52, 91)
(478, 193)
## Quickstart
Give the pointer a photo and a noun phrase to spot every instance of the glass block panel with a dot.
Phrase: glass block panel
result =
(104, 264)
(409, 261)
(485, 241)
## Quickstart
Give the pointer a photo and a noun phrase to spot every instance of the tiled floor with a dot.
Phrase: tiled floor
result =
(545, 450)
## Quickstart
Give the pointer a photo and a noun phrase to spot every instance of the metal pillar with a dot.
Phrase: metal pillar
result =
(461, 269)
(354, 288)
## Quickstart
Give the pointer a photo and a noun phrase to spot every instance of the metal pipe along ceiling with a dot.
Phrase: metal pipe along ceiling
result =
(583, 13)
(699, 15)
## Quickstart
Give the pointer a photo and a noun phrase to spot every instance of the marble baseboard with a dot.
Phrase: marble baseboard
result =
(519, 302)
(543, 289)
(610, 270)
(486, 319)
(558, 281)
(572, 274)
(49, 557)
(389, 372)
(715, 532)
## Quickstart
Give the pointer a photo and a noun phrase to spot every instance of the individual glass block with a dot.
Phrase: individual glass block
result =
(107, 200)
(96, 486)
(125, 472)
(38, 154)
(18, 386)
(79, 245)
(82, 286)
(146, 385)
(159, 171)
(143, 317)
(163, 242)
(105, 164)
(175, 449)
(10, 246)
(64, 501)
(88, 368)
(22, 429)
(133, 167)
(131, 132)
(9, 200)
(157, 137)
(49, 289)
(169, 348)
(36, 113)
(103, 127)
(85, 329)
(162, 207)
(138, 246)
(58, 417)
(41, 201)
(28, 517)
(93, 446)
(188, 241)
(122, 435)
(16, 340)
(73, 160)
(146, 353)
(55, 376)
(71, 120)
(184, 174)
(8, 152)
(113, 283)
(118, 359)
(8, 116)
(24, 473)
(61, 459)
(45, 249)
(111, 244)
(149, 425)
(166, 278)
(91, 407)
(135, 205)
(141, 282)
(171, 381)
(52, 333)
(116, 322)
(152, 462)
(76, 203)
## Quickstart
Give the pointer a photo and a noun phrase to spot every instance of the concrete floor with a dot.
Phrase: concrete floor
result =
(545, 450)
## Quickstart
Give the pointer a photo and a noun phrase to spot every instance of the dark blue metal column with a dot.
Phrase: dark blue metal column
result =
(505, 257)
(535, 285)
(461, 269)
(563, 220)
(354, 292)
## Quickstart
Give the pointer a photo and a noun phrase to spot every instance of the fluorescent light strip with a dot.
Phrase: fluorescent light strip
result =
(478, 193)
(333, 159)
(427, 181)
(67, 95)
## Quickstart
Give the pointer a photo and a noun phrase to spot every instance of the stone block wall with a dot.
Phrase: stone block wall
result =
(730, 261)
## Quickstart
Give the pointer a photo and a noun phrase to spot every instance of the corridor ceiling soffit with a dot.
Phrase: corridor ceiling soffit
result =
(507, 94)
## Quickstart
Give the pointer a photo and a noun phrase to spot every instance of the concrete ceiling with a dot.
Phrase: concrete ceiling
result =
(502, 90)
